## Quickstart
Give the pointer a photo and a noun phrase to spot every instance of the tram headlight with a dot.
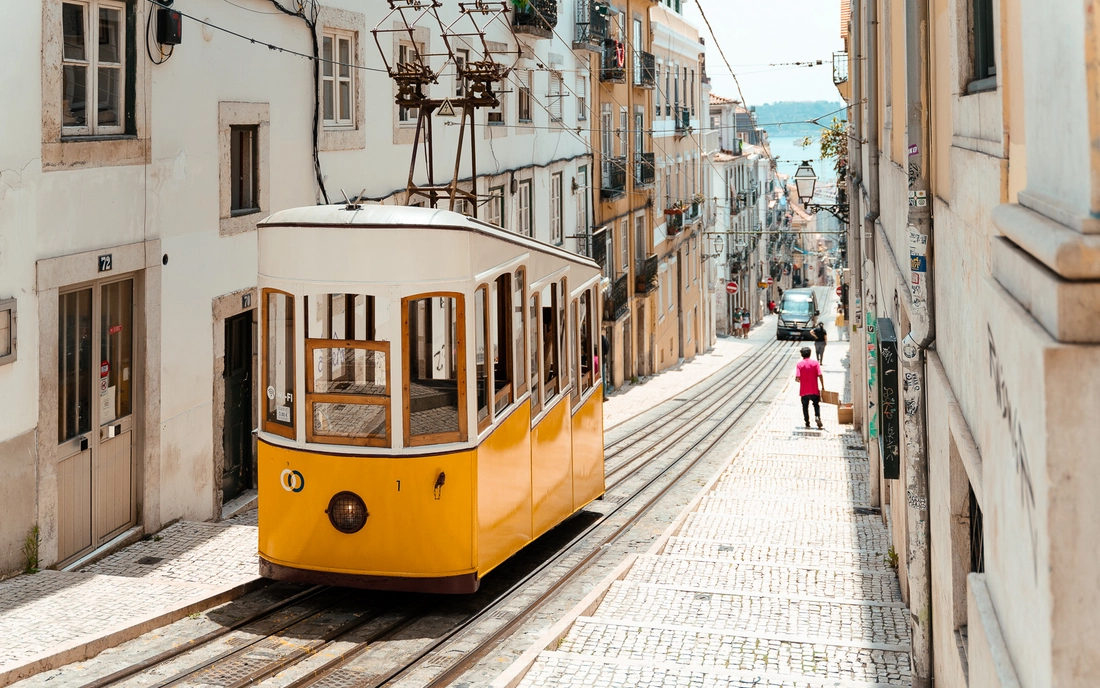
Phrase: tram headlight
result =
(347, 512)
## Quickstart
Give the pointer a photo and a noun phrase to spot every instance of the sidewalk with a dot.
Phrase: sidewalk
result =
(52, 618)
(777, 574)
(631, 400)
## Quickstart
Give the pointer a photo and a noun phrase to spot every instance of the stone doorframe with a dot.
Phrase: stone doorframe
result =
(225, 307)
(143, 259)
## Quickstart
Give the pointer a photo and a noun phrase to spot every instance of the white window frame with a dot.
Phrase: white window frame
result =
(525, 101)
(556, 209)
(462, 57)
(494, 211)
(8, 335)
(91, 65)
(524, 208)
(555, 97)
(496, 116)
(624, 245)
(582, 202)
(582, 98)
(334, 66)
(406, 117)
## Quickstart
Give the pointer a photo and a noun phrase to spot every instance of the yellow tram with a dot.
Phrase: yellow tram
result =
(431, 395)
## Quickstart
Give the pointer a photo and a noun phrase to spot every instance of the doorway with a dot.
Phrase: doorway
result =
(237, 430)
(95, 415)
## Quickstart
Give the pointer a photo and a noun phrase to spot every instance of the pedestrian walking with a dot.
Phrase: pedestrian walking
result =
(745, 324)
(808, 373)
(819, 336)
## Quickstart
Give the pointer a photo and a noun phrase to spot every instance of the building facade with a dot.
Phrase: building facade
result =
(134, 173)
(975, 285)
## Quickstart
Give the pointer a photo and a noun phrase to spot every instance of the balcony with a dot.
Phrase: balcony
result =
(645, 278)
(613, 62)
(536, 18)
(644, 173)
(645, 70)
(590, 27)
(613, 180)
(683, 120)
(840, 75)
(616, 300)
(674, 221)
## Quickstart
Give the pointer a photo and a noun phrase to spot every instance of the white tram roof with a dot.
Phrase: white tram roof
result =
(421, 241)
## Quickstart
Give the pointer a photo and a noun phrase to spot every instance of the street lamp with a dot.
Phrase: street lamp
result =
(805, 179)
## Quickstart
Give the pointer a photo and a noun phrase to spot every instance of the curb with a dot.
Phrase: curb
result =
(87, 647)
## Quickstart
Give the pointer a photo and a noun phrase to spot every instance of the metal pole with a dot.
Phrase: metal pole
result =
(870, 318)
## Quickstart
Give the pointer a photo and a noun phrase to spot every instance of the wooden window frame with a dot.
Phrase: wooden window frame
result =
(519, 360)
(337, 35)
(313, 397)
(556, 210)
(482, 292)
(504, 327)
(463, 390)
(90, 62)
(274, 427)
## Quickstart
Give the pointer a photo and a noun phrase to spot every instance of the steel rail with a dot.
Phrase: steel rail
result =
(470, 658)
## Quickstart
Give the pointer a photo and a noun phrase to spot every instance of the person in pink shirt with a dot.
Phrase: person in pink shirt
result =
(808, 373)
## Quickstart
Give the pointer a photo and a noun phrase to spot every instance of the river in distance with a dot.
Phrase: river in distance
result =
(789, 154)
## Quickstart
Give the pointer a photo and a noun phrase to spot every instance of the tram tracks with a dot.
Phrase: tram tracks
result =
(325, 642)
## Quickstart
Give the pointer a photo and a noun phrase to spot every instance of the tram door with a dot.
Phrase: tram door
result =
(237, 435)
(95, 379)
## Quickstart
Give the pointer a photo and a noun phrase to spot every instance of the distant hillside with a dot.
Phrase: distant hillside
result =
(796, 111)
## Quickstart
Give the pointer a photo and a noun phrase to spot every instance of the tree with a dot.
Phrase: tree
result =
(834, 144)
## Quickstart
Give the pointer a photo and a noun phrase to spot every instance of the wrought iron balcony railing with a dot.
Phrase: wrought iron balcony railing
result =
(644, 172)
(617, 300)
(645, 70)
(645, 278)
(590, 27)
(613, 178)
(674, 223)
(536, 18)
(683, 120)
(613, 62)
(840, 68)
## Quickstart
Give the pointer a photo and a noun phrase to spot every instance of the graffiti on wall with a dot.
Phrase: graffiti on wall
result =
(1011, 415)
(871, 327)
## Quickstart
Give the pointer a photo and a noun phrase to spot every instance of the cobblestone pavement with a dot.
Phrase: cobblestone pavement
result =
(777, 576)
(54, 617)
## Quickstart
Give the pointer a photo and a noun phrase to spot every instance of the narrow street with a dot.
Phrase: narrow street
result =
(733, 544)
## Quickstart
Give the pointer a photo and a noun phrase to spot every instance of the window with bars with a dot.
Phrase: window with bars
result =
(93, 83)
(555, 209)
(337, 78)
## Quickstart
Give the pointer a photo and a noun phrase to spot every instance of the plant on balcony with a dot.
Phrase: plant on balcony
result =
(676, 208)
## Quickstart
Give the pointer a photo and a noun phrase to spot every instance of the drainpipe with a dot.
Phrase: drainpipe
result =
(921, 334)
(870, 317)
(855, 182)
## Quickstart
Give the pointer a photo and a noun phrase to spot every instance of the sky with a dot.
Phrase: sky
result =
(756, 33)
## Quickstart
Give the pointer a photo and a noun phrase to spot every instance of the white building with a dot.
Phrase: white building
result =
(133, 177)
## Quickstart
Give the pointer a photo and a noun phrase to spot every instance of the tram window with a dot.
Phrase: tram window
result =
(535, 328)
(347, 392)
(519, 331)
(279, 363)
(573, 370)
(435, 370)
(550, 326)
(341, 316)
(501, 329)
(565, 339)
(585, 332)
(481, 360)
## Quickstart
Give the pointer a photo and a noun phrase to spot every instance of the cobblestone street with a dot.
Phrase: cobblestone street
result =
(778, 574)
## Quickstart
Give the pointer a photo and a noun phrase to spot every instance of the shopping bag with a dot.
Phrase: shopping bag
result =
(828, 397)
